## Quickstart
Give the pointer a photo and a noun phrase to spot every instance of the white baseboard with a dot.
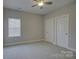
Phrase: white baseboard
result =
(62, 47)
(72, 49)
(23, 42)
(31, 41)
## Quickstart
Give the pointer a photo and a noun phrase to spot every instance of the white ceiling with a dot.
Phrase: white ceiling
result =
(26, 5)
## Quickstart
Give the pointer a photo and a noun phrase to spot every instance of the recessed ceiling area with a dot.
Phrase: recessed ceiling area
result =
(26, 5)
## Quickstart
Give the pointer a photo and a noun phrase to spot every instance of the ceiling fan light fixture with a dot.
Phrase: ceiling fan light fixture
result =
(41, 3)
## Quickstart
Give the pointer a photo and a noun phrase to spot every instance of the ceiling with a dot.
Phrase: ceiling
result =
(26, 5)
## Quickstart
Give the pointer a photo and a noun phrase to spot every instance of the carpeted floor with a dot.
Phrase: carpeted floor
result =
(39, 50)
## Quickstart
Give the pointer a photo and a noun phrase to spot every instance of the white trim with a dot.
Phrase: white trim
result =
(31, 41)
(23, 42)
(62, 47)
(72, 49)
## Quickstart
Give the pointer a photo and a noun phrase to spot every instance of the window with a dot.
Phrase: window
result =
(14, 27)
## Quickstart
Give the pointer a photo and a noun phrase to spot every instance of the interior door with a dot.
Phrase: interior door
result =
(47, 29)
(62, 30)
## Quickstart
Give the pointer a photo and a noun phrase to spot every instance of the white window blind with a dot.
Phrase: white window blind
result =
(14, 27)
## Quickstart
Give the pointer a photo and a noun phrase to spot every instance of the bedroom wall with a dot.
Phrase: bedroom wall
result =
(31, 26)
(71, 10)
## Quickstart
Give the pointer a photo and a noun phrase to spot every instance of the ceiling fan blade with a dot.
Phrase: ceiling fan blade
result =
(34, 0)
(34, 5)
(37, 0)
(48, 3)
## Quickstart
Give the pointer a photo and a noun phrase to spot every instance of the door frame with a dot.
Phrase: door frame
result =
(56, 28)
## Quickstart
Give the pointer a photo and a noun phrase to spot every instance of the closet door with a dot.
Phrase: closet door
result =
(62, 30)
(49, 30)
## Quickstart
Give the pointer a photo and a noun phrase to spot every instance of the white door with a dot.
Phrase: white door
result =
(62, 30)
(49, 30)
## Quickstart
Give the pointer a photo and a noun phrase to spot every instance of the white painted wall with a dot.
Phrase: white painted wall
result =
(32, 26)
(71, 10)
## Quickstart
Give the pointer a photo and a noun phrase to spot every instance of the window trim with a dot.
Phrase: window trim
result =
(20, 26)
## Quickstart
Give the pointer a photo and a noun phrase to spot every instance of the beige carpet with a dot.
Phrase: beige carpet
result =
(39, 50)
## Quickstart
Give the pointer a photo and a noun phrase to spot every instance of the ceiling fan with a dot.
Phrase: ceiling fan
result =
(40, 3)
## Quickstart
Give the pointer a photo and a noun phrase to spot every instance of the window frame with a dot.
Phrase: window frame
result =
(20, 26)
